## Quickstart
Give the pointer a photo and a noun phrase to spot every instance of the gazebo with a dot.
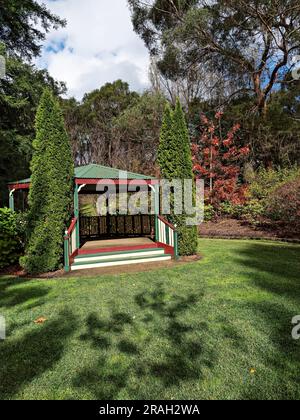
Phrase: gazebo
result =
(112, 239)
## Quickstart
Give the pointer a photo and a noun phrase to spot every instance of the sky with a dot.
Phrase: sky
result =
(97, 46)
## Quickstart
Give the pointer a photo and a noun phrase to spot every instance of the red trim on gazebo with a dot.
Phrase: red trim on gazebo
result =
(72, 227)
(165, 221)
(82, 181)
(117, 249)
(168, 249)
(19, 187)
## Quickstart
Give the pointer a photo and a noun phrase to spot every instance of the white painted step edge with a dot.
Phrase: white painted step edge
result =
(121, 262)
(120, 256)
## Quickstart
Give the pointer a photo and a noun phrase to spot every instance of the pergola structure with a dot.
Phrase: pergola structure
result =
(15, 186)
(86, 181)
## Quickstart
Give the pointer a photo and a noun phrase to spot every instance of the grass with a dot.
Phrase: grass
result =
(191, 332)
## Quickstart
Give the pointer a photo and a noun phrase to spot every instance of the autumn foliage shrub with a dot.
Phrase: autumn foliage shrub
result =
(218, 161)
(284, 204)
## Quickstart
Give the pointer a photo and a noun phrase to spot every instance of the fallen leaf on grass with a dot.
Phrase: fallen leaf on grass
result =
(41, 320)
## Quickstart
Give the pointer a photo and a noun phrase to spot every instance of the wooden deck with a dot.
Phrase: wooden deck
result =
(117, 243)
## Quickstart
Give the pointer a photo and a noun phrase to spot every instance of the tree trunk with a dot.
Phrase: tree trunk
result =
(211, 166)
(260, 96)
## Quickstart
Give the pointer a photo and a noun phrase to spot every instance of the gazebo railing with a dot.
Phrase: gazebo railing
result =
(167, 235)
(70, 244)
(118, 226)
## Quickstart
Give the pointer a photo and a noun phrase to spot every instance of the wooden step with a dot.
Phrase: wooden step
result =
(117, 261)
(87, 251)
(119, 255)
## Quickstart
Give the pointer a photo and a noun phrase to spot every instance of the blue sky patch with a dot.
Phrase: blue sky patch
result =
(56, 46)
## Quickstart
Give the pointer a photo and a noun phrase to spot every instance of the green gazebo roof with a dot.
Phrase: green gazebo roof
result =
(94, 171)
(22, 181)
(103, 172)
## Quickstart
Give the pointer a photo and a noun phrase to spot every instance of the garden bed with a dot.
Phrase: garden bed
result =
(237, 229)
(16, 270)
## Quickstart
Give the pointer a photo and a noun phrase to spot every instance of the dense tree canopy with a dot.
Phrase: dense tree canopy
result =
(115, 127)
(251, 43)
(136, 134)
(92, 139)
(23, 25)
(20, 92)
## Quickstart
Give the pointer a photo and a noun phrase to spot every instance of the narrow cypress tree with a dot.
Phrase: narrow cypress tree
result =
(167, 143)
(180, 130)
(50, 194)
(187, 235)
(175, 160)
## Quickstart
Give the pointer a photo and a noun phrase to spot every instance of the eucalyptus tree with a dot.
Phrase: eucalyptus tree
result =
(252, 43)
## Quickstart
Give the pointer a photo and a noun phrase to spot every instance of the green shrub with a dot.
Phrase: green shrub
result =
(232, 210)
(239, 210)
(188, 240)
(22, 227)
(88, 210)
(227, 209)
(253, 211)
(209, 212)
(267, 180)
(10, 243)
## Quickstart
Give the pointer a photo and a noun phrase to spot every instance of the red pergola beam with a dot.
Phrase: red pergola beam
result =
(19, 187)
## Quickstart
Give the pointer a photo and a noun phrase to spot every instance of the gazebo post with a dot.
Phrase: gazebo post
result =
(76, 214)
(157, 209)
(12, 200)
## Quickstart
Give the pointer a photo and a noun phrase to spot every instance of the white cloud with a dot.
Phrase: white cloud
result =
(97, 46)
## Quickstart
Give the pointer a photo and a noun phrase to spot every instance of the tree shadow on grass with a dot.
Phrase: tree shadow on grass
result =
(99, 332)
(108, 375)
(275, 269)
(282, 382)
(186, 353)
(28, 357)
(182, 350)
(13, 293)
(105, 379)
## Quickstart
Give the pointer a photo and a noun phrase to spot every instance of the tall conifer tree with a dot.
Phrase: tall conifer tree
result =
(168, 166)
(51, 188)
(175, 161)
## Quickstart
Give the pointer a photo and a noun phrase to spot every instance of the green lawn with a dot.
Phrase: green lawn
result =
(194, 331)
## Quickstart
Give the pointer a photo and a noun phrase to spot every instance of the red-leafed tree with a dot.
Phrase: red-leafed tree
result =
(218, 161)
